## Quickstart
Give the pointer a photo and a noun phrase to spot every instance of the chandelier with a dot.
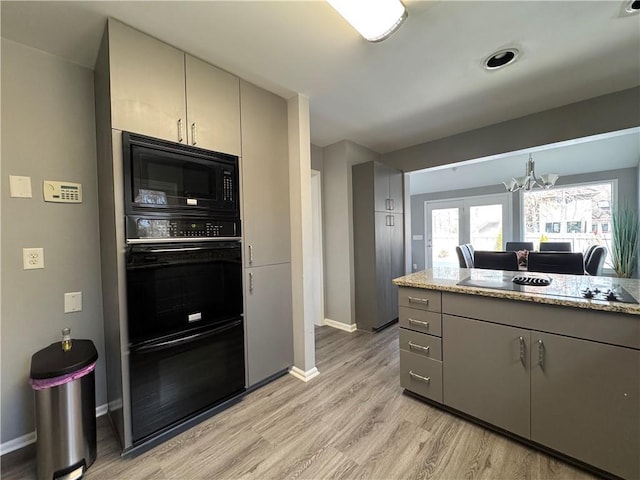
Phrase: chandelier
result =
(531, 180)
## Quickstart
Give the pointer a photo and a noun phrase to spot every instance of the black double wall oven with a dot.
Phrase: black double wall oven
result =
(184, 283)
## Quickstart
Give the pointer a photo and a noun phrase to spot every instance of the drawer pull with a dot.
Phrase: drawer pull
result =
(423, 301)
(420, 377)
(419, 347)
(418, 322)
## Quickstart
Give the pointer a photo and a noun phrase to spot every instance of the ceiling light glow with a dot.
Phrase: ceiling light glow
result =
(375, 20)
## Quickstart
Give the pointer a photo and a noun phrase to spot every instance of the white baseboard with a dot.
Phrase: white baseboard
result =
(340, 326)
(29, 438)
(302, 375)
(18, 443)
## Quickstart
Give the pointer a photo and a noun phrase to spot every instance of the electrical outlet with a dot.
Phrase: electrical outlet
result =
(32, 258)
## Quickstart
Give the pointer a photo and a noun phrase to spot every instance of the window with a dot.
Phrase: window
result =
(580, 214)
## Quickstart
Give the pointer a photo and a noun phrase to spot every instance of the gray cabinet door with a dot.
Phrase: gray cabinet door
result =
(585, 401)
(397, 257)
(265, 177)
(268, 321)
(396, 190)
(486, 372)
(381, 187)
(147, 84)
(213, 107)
(384, 292)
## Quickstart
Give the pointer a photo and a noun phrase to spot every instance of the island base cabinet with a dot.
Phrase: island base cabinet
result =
(421, 375)
(486, 372)
(269, 321)
(585, 401)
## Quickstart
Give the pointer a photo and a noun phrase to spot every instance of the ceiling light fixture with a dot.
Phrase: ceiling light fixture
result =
(501, 58)
(633, 6)
(531, 180)
(375, 20)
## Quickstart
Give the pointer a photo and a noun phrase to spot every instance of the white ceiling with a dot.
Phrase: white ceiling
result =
(592, 154)
(423, 83)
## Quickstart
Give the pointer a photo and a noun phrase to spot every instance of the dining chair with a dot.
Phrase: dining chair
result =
(595, 260)
(465, 255)
(556, 262)
(495, 260)
(555, 247)
(515, 246)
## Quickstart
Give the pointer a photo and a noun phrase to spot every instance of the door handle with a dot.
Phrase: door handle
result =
(522, 351)
(541, 354)
(250, 254)
(180, 138)
(251, 282)
(391, 206)
(193, 133)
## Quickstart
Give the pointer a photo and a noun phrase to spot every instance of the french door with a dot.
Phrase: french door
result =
(481, 221)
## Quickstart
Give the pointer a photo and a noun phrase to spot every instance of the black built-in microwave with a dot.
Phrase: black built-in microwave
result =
(174, 191)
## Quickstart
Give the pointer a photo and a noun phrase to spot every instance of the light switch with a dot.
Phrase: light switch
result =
(72, 302)
(19, 187)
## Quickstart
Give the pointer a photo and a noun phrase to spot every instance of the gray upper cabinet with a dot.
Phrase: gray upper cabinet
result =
(213, 107)
(147, 84)
(265, 177)
(160, 91)
(486, 372)
(388, 188)
(378, 239)
(592, 413)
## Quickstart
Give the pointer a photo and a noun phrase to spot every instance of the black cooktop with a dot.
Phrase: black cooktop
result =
(568, 286)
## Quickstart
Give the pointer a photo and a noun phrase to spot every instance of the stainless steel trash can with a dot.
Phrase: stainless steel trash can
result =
(65, 402)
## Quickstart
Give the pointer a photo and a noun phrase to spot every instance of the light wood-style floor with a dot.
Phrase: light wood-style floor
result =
(351, 422)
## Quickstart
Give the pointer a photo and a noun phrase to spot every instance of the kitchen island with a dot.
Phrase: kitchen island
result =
(539, 363)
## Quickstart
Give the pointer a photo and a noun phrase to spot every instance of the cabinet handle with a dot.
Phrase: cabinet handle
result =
(522, 351)
(386, 204)
(250, 254)
(251, 282)
(419, 347)
(391, 206)
(180, 138)
(193, 133)
(418, 322)
(420, 377)
(392, 220)
(541, 353)
(423, 301)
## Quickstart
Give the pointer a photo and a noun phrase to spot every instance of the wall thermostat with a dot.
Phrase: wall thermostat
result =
(62, 192)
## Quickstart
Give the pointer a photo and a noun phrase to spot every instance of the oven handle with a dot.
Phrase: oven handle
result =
(154, 347)
(190, 249)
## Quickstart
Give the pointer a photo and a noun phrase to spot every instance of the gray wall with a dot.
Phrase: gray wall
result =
(607, 113)
(338, 227)
(627, 189)
(317, 157)
(48, 132)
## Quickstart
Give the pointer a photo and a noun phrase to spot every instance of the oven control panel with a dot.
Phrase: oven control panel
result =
(149, 229)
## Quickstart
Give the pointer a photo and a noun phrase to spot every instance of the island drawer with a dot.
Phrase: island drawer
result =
(420, 321)
(421, 344)
(419, 298)
(421, 375)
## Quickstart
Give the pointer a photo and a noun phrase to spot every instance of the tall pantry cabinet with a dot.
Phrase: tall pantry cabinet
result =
(267, 233)
(378, 241)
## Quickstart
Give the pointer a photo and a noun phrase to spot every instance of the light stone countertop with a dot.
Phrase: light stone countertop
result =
(562, 291)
